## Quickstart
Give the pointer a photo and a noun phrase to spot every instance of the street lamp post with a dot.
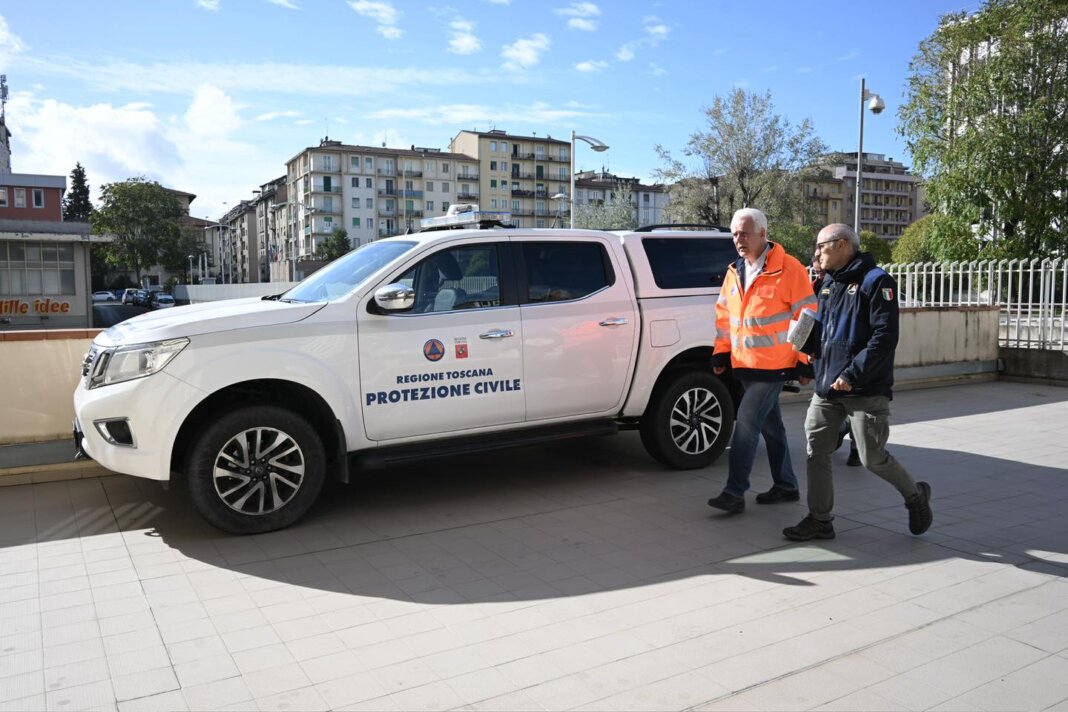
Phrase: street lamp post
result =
(559, 198)
(596, 145)
(189, 278)
(876, 105)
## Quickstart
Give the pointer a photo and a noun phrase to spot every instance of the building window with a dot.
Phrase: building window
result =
(354, 163)
(367, 183)
(493, 203)
(493, 146)
(355, 222)
(370, 203)
(428, 167)
(328, 220)
(493, 165)
(430, 186)
(355, 202)
(493, 182)
(3, 197)
(504, 147)
(445, 206)
(355, 182)
(370, 224)
(20, 197)
(36, 268)
(368, 163)
(445, 168)
(445, 187)
(515, 206)
(38, 198)
(327, 163)
(430, 206)
(465, 188)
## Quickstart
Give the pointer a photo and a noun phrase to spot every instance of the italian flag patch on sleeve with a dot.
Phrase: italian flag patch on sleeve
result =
(888, 294)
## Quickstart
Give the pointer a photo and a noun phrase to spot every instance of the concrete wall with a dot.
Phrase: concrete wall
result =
(40, 371)
(41, 368)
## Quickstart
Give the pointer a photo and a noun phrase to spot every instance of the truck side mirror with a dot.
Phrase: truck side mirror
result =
(395, 297)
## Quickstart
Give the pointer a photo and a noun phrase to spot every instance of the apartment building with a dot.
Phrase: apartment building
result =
(370, 192)
(519, 174)
(649, 201)
(891, 198)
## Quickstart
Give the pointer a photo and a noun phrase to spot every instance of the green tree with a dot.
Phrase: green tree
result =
(986, 121)
(76, 204)
(335, 246)
(797, 240)
(141, 216)
(175, 249)
(616, 213)
(749, 156)
(877, 246)
(938, 238)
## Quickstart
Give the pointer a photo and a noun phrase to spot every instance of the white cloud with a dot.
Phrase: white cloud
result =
(770, 68)
(655, 32)
(581, 14)
(803, 70)
(471, 114)
(463, 40)
(212, 113)
(658, 31)
(288, 4)
(525, 52)
(851, 55)
(212, 5)
(656, 70)
(625, 53)
(591, 66)
(383, 13)
(184, 78)
(303, 122)
(271, 115)
(10, 44)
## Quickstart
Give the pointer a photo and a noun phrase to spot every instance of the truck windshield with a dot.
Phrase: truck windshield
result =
(345, 273)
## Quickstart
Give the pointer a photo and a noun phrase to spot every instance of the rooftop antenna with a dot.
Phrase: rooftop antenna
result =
(3, 96)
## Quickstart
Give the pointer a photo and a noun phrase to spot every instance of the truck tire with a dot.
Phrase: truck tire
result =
(255, 469)
(688, 421)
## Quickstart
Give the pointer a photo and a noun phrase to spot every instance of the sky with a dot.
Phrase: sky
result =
(212, 97)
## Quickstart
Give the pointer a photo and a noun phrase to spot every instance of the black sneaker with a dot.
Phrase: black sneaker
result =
(728, 503)
(919, 506)
(809, 528)
(842, 432)
(854, 459)
(778, 494)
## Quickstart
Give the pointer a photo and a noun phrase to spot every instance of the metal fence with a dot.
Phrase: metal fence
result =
(1032, 295)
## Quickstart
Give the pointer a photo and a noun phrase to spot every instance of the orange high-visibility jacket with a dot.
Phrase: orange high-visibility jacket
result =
(751, 326)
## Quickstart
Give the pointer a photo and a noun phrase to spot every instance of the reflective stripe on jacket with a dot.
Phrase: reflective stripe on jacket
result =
(752, 323)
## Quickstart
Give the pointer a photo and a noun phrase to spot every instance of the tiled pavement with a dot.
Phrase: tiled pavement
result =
(579, 575)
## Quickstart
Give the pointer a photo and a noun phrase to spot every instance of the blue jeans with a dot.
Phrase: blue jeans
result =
(759, 414)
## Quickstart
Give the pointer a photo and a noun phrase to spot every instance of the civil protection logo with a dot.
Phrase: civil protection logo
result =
(434, 350)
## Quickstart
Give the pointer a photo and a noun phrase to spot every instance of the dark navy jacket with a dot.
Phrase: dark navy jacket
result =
(858, 320)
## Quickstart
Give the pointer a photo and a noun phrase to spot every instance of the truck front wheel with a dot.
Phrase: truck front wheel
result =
(255, 469)
(688, 421)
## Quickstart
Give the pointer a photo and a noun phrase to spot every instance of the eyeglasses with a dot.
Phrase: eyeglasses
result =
(822, 245)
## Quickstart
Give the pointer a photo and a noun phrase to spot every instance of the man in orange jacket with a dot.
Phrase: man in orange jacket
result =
(763, 291)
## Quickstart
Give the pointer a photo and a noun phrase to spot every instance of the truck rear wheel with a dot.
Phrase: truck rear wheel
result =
(255, 469)
(688, 421)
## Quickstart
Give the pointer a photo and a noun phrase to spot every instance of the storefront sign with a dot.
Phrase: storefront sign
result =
(27, 307)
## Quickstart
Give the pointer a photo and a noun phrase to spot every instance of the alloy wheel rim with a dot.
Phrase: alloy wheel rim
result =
(258, 471)
(696, 421)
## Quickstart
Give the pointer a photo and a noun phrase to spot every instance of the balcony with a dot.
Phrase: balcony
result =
(321, 189)
(522, 193)
(523, 212)
(406, 173)
(467, 176)
(522, 176)
(387, 213)
(385, 171)
(516, 155)
(467, 196)
(566, 159)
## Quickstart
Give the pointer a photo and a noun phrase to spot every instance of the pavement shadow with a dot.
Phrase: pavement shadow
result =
(597, 515)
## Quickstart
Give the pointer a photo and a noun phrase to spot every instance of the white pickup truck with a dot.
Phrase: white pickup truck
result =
(436, 343)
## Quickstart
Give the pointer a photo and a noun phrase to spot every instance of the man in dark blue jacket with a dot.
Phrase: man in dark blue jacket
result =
(853, 348)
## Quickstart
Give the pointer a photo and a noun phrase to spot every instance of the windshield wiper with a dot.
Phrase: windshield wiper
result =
(272, 297)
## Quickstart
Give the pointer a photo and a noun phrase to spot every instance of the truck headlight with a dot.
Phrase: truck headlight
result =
(126, 363)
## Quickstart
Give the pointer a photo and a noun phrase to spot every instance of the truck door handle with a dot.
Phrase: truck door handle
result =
(497, 334)
(614, 321)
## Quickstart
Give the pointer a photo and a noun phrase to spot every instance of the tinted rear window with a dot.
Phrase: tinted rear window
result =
(689, 262)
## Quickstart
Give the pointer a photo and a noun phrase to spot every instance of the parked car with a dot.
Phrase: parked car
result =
(160, 300)
(103, 297)
(135, 296)
(434, 343)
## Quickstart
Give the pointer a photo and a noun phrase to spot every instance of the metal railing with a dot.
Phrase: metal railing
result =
(1032, 295)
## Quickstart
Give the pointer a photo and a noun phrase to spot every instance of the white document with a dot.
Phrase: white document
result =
(801, 330)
